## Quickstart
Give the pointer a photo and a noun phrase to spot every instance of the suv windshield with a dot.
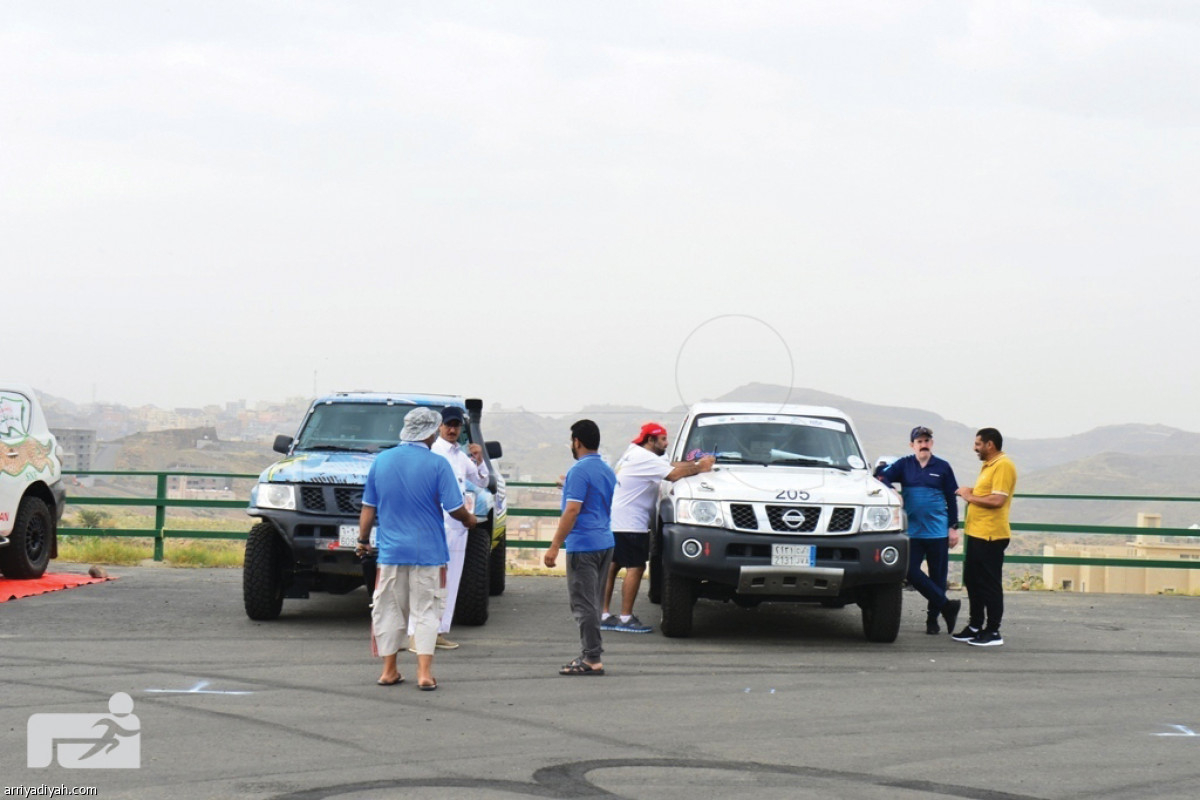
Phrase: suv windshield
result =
(774, 439)
(363, 427)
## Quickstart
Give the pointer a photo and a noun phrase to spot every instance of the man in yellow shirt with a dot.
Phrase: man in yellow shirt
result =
(988, 535)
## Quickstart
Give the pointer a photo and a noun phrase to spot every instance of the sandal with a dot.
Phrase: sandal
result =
(580, 667)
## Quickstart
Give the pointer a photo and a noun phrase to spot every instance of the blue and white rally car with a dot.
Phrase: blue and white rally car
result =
(308, 505)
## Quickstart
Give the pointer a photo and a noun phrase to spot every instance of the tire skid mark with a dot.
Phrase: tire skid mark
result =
(572, 779)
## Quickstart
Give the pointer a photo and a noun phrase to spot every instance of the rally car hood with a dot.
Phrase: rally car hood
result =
(785, 484)
(320, 468)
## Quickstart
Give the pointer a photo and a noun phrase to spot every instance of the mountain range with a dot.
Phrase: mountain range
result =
(1131, 459)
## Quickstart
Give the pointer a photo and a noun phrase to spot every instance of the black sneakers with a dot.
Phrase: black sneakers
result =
(931, 625)
(987, 638)
(950, 613)
(965, 635)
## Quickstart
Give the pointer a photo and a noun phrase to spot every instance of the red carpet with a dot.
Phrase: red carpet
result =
(15, 590)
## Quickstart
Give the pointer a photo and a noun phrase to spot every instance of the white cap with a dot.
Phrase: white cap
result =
(419, 424)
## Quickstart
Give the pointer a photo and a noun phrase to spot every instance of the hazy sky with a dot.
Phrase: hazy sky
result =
(979, 208)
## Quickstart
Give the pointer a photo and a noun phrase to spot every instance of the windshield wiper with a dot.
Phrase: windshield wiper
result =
(335, 447)
(818, 462)
(737, 458)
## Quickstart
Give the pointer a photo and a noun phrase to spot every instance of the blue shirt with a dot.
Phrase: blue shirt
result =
(590, 482)
(409, 486)
(929, 495)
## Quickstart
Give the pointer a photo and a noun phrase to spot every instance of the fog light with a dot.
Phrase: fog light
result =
(692, 548)
(890, 555)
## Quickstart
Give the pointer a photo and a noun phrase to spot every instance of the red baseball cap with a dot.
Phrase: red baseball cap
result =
(650, 429)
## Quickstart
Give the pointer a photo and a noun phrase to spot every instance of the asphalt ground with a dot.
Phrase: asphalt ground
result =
(1092, 696)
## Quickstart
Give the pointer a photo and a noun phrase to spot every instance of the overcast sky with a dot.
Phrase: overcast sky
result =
(978, 208)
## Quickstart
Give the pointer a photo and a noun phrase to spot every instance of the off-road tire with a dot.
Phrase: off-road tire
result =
(498, 568)
(678, 601)
(654, 589)
(881, 607)
(28, 550)
(472, 605)
(262, 572)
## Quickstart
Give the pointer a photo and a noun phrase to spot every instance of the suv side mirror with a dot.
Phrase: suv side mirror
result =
(494, 450)
(282, 444)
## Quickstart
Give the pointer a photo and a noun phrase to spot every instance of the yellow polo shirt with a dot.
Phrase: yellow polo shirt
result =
(997, 476)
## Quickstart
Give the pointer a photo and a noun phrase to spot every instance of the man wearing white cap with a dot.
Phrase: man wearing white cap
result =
(640, 471)
(407, 489)
(465, 469)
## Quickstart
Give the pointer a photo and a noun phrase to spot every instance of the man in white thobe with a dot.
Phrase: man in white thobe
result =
(466, 471)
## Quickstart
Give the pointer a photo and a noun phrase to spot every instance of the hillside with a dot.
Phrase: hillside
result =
(1123, 459)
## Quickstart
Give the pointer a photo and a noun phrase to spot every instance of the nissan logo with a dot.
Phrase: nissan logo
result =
(793, 518)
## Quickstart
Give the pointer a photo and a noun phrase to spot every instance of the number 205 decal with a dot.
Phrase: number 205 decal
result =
(792, 494)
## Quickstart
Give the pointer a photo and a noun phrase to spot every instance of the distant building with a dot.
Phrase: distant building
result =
(1128, 580)
(79, 447)
(198, 487)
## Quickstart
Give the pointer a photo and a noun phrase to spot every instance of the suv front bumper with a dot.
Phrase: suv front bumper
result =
(742, 561)
(313, 539)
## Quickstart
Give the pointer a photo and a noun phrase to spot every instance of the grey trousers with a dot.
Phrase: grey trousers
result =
(586, 573)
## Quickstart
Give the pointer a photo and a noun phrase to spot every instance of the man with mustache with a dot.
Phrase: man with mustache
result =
(929, 491)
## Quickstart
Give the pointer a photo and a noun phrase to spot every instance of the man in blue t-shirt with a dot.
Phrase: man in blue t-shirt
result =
(585, 528)
(928, 487)
(407, 489)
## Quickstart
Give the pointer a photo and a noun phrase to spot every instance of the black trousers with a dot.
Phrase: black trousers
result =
(983, 577)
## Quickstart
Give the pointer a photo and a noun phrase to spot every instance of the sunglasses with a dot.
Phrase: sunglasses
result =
(454, 423)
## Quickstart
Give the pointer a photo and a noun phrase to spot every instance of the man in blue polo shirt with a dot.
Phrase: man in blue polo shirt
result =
(928, 487)
(407, 489)
(585, 528)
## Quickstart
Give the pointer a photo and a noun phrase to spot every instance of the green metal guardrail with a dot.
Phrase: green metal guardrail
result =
(160, 532)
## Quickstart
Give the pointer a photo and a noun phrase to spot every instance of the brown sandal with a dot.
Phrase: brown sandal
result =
(580, 667)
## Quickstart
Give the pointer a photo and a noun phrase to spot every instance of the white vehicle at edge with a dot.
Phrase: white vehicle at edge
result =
(31, 488)
(790, 513)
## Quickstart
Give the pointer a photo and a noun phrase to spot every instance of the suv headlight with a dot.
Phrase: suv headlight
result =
(274, 495)
(700, 512)
(883, 518)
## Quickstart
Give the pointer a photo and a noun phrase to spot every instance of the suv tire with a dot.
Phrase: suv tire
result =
(472, 605)
(498, 567)
(678, 602)
(654, 591)
(262, 573)
(881, 612)
(28, 550)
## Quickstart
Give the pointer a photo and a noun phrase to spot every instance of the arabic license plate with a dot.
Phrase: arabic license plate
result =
(793, 555)
(348, 536)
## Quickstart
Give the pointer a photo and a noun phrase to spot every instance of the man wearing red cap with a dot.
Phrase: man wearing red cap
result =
(639, 473)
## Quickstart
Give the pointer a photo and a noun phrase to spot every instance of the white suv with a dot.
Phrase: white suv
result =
(789, 513)
(31, 488)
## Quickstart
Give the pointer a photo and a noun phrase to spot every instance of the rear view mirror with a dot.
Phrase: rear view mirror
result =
(282, 444)
(494, 450)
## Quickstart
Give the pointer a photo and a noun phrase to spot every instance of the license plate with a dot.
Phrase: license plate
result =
(348, 536)
(793, 555)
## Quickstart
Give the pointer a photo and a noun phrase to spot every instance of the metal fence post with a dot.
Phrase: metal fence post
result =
(160, 517)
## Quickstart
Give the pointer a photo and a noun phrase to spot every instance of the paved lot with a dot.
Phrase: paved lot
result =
(786, 702)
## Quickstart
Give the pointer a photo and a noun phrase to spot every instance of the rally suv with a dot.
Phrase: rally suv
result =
(309, 504)
(31, 488)
(789, 513)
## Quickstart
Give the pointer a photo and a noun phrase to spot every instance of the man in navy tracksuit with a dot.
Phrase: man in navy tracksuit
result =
(928, 487)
